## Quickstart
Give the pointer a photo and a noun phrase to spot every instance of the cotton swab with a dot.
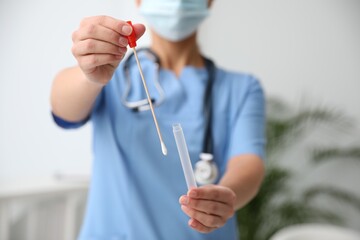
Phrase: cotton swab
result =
(132, 44)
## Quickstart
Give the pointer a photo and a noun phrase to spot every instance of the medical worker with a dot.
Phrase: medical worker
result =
(137, 193)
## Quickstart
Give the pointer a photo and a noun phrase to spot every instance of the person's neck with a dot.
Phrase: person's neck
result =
(176, 55)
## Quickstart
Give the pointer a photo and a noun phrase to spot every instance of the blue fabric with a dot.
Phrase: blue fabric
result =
(134, 188)
(68, 124)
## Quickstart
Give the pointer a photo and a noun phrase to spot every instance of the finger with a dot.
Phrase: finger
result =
(200, 227)
(214, 193)
(92, 61)
(100, 33)
(122, 27)
(92, 46)
(207, 220)
(207, 206)
(119, 26)
(139, 30)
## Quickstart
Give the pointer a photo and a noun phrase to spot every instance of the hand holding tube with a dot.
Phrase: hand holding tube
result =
(209, 207)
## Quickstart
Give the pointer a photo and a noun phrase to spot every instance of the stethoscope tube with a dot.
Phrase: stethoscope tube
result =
(142, 105)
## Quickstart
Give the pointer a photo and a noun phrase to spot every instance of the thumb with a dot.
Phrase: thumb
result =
(139, 30)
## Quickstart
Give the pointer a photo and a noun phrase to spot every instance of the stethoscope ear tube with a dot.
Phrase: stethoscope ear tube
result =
(141, 105)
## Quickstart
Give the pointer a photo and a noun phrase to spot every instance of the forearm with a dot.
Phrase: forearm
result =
(72, 95)
(244, 175)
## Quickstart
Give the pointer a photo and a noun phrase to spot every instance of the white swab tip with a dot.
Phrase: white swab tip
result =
(163, 148)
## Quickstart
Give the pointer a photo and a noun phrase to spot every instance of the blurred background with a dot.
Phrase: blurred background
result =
(306, 54)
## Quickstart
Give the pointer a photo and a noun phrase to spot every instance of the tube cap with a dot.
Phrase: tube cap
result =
(132, 37)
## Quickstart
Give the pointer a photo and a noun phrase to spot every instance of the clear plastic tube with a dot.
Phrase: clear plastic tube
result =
(184, 156)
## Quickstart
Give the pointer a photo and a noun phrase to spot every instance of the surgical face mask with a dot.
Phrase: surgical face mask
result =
(174, 20)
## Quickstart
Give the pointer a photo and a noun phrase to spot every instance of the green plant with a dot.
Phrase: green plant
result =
(275, 206)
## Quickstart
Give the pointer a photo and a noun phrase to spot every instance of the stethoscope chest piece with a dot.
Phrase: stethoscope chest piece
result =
(206, 171)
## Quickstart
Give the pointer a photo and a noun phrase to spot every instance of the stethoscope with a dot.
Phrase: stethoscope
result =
(206, 170)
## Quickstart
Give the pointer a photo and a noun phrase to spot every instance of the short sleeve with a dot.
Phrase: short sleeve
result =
(68, 124)
(248, 122)
(73, 125)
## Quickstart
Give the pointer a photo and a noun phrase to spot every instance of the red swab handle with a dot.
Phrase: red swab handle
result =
(132, 37)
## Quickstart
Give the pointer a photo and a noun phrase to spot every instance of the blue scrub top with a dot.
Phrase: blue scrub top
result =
(134, 189)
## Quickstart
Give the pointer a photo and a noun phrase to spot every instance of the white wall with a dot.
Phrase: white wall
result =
(301, 50)
(35, 42)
